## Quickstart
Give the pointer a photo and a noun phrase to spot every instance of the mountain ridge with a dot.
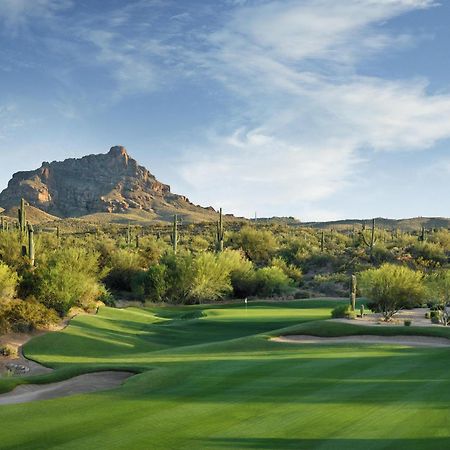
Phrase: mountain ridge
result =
(111, 183)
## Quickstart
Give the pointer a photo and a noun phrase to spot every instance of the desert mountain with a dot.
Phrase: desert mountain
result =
(97, 186)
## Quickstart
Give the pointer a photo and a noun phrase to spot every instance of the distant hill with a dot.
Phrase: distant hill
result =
(109, 187)
(411, 224)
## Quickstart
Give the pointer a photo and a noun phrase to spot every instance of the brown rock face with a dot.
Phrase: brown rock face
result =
(112, 182)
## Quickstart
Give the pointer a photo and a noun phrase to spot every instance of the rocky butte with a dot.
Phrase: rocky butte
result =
(106, 183)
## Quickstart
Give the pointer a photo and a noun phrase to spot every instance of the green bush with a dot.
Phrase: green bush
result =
(70, 278)
(391, 288)
(407, 323)
(292, 271)
(271, 281)
(25, 316)
(125, 265)
(8, 282)
(343, 312)
(428, 251)
(301, 294)
(8, 351)
(259, 246)
(179, 276)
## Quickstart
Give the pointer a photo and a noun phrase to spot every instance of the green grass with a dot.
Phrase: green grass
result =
(209, 378)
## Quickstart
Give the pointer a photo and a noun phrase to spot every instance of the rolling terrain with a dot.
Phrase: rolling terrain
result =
(210, 378)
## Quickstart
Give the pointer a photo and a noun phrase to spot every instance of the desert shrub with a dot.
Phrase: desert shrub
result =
(199, 244)
(318, 260)
(10, 249)
(332, 284)
(407, 323)
(203, 277)
(441, 237)
(9, 351)
(107, 298)
(438, 292)
(212, 279)
(125, 265)
(435, 316)
(24, 316)
(70, 278)
(244, 282)
(301, 294)
(381, 254)
(179, 276)
(343, 312)
(151, 250)
(428, 251)
(391, 288)
(259, 246)
(292, 271)
(155, 283)
(8, 282)
(271, 281)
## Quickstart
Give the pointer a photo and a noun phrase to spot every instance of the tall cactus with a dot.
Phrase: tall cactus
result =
(174, 235)
(322, 241)
(31, 254)
(22, 217)
(220, 233)
(353, 293)
(2, 224)
(423, 235)
(128, 237)
(370, 243)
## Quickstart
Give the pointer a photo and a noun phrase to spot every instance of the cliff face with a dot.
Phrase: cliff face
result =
(112, 182)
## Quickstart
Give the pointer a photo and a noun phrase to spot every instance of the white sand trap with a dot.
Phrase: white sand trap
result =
(411, 341)
(82, 384)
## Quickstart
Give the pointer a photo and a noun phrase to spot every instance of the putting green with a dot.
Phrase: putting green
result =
(209, 378)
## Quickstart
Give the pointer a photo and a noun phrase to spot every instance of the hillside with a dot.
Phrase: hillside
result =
(411, 224)
(110, 187)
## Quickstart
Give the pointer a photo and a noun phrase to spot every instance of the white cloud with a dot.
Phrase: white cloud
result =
(310, 115)
(9, 120)
(17, 14)
(252, 171)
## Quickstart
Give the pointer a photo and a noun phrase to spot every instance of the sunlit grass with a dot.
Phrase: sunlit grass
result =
(211, 378)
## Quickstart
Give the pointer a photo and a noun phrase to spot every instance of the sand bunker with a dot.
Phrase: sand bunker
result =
(411, 341)
(82, 384)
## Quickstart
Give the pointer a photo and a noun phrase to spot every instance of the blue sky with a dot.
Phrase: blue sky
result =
(312, 108)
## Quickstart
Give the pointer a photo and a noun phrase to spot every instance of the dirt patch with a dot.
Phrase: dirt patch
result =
(416, 316)
(82, 384)
(17, 340)
(410, 341)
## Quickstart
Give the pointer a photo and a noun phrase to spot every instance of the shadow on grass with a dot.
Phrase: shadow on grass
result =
(335, 444)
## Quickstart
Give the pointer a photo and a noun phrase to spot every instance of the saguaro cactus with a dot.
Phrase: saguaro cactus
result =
(370, 243)
(423, 234)
(353, 293)
(22, 217)
(31, 254)
(2, 224)
(174, 235)
(322, 241)
(220, 233)
(128, 237)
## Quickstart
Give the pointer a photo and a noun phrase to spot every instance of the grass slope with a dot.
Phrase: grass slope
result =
(210, 379)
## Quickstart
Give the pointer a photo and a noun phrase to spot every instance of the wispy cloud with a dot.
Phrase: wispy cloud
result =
(309, 114)
(18, 15)
(301, 119)
(10, 120)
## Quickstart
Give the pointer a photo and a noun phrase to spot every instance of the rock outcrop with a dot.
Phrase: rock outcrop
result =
(105, 183)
